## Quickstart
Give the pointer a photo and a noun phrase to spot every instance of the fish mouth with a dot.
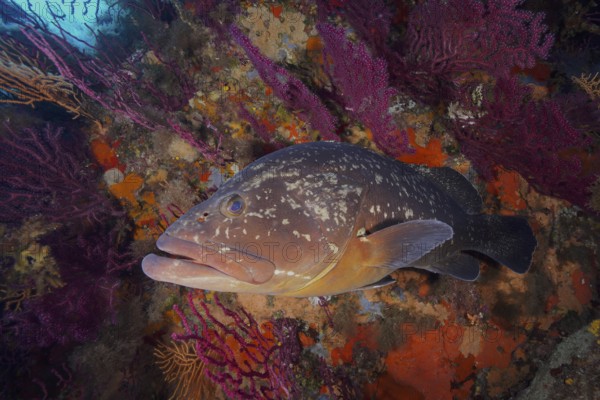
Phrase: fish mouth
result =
(189, 260)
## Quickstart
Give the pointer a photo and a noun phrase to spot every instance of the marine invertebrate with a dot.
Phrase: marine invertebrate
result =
(590, 84)
(446, 39)
(88, 263)
(362, 83)
(246, 360)
(182, 367)
(118, 82)
(82, 72)
(44, 172)
(534, 138)
(370, 20)
(12, 298)
(431, 155)
(289, 89)
(215, 15)
(23, 80)
(495, 36)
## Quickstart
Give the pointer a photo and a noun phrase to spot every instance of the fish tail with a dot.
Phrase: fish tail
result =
(506, 239)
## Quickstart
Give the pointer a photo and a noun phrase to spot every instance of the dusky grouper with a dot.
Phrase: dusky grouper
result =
(325, 218)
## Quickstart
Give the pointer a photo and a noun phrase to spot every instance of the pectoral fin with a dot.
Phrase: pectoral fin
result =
(399, 246)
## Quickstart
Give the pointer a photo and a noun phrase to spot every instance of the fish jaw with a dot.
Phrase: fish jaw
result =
(205, 261)
(185, 273)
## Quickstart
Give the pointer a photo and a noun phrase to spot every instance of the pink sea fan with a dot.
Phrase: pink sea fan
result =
(459, 35)
(447, 38)
(362, 83)
(289, 89)
(266, 371)
(43, 172)
(534, 138)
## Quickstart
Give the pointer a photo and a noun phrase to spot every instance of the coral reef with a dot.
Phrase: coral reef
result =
(289, 88)
(184, 370)
(362, 83)
(74, 311)
(533, 138)
(44, 173)
(241, 357)
(183, 94)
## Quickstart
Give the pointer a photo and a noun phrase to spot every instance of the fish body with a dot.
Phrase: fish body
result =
(325, 218)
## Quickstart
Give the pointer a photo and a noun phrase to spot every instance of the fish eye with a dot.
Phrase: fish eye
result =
(233, 206)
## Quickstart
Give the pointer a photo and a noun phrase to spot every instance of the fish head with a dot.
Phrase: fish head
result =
(267, 230)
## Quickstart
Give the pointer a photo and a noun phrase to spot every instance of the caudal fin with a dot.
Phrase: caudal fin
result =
(508, 240)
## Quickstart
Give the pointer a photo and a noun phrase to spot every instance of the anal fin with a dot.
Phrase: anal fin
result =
(380, 283)
(460, 265)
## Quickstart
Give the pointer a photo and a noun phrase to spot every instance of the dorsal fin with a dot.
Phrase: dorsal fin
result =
(456, 185)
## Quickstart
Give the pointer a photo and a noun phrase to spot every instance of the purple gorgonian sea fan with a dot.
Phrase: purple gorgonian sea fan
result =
(246, 360)
(117, 81)
(361, 81)
(90, 263)
(446, 39)
(535, 138)
(455, 36)
(294, 94)
(249, 360)
(47, 172)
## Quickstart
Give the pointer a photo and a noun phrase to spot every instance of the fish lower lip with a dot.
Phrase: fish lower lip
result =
(244, 267)
(169, 269)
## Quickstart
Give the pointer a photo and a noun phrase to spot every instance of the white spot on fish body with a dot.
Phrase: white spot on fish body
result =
(285, 222)
(321, 212)
(292, 203)
(378, 179)
(253, 214)
(223, 249)
(291, 187)
(298, 235)
(343, 207)
(331, 178)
